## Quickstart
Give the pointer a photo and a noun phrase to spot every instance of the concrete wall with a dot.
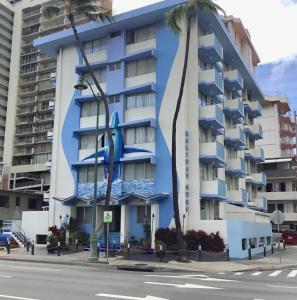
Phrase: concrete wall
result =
(35, 223)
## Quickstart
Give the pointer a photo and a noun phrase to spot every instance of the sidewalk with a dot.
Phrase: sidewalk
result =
(271, 262)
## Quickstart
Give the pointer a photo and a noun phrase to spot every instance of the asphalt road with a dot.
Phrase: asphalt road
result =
(25, 281)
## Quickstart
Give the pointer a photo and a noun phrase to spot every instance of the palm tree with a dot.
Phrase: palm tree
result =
(174, 17)
(94, 11)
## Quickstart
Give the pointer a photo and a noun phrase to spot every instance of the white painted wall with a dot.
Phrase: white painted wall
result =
(35, 223)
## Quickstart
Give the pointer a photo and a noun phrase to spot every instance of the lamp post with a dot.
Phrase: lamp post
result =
(93, 240)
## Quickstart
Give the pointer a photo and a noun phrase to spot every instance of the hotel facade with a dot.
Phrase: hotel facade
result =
(138, 61)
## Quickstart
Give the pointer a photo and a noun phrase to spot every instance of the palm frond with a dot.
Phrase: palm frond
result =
(210, 5)
(50, 11)
(174, 16)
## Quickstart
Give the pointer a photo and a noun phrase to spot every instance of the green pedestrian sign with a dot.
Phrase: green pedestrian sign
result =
(107, 218)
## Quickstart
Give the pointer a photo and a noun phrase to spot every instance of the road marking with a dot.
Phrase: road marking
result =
(148, 297)
(35, 269)
(238, 273)
(292, 274)
(221, 273)
(274, 274)
(257, 274)
(5, 276)
(176, 276)
(14, 297)
(185, 286)
(282, 286)
(217, 279)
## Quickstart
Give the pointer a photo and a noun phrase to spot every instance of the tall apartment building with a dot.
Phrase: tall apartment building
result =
(28, 143)
(138, 62)
(280, 164)
(6, 25)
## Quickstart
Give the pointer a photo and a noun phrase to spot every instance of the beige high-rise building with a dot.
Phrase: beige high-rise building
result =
(6, 26)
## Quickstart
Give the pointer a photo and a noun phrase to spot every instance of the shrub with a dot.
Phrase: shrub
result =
(167, 236)
(214, 243)
(194, 238)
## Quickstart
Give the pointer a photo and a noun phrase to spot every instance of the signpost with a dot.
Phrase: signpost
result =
(107, 218)
(278, 218)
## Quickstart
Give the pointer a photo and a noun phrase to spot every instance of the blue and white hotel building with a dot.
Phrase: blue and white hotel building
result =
(138, 61)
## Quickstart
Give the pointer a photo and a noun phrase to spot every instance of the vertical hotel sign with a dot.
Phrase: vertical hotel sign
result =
(187, 190)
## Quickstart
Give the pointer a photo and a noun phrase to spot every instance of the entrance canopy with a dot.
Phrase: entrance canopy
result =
(122, 200)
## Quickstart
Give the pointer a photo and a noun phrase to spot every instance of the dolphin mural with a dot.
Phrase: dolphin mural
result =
(119, 149)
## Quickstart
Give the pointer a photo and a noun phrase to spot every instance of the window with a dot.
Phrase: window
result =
(4, 201)
(87, 141)
(141, 67)
(99, 74)
(253, 243)
(17, 201)
(208, 172)
(115, 66)
(138, 171)
(140, 100)
(143, 215)
(244, 244)
(139, 135)
(268, 240)
(95, 45)
(87, 174)
(114, 99)
(115, 34)
(32, 203)
(89, 109)
(141, 34)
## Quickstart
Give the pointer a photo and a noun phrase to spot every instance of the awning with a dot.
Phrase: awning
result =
(73, 200)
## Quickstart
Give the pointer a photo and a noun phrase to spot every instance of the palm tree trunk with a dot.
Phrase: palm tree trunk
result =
(180, 242)
(107, 115)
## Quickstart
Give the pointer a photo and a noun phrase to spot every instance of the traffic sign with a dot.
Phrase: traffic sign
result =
(277, 217)
(107, 218)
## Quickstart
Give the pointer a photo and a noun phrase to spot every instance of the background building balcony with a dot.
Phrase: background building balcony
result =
(279, 196)
(212, 153)
(253, 108)
(256, 179)
(212, 116)
(233, 80)
(235, 137)
(210, 49)
(256, 154)
(233, 108)
(290, 217)
(255, 131)
(236, 166)
(237, 197)
(210, 82)
(214, 189)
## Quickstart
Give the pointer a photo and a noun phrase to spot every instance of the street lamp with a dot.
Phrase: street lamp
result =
(93, 240)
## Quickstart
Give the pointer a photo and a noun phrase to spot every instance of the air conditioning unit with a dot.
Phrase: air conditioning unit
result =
(53, 77)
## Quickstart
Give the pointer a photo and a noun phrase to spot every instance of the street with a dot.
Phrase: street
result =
(38, 281)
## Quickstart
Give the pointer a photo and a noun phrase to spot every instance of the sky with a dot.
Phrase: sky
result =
(272, 25)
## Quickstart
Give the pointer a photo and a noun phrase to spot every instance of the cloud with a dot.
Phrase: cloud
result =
(280, 67)
(288, 2)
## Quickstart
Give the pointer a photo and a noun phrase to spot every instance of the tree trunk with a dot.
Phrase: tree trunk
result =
(107, 115)
(180, 241)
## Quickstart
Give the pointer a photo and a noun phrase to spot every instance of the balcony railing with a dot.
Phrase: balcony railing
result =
(213, 153)
(212, 116)
(210, 49)
(215, 189)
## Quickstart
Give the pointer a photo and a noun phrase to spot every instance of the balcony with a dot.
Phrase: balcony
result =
(258, 179)
(253, 108)
(210, 49)
(210, 82)
(233, 80)
(261, 203)
(213, 189)
(212, 117)
(212, 153)
(48, 164)
(233, 108)
(51, 105)
(236, 166)
(255, 131)
(290, 217)
(50, 135)
(237, 197)
(235, 137)
(279, 196)
(256, 154)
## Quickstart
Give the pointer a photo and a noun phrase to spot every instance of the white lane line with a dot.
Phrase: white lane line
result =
(5, 276)
(217, 279)
(221, 273)
(256, 273)
(14, 297)
(292, 274)
(238, 273)
(177, 276)
(274, 274)
(148, 297)
(35, 269)
(282, 286)
(185, 286)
